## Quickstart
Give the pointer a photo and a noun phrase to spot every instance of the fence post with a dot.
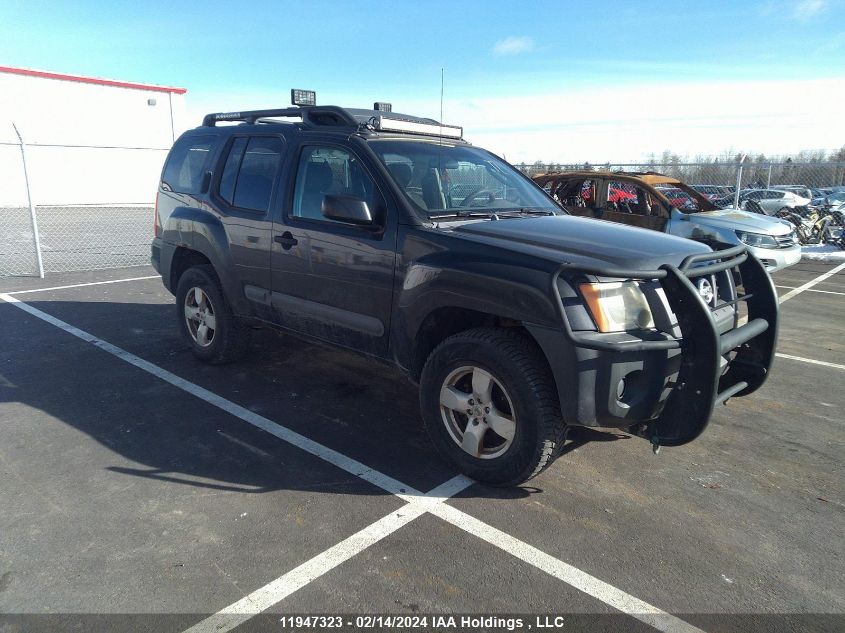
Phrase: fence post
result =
(738, 182)
(32, 216)
(769, 178)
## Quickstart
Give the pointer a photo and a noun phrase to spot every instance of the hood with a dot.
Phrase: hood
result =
(582, 241)
(742, 221)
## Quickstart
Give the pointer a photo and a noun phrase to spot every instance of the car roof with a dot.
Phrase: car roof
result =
(649, 177)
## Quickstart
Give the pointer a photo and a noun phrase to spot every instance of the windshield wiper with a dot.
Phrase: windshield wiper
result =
(536, 211)
(459, 213)
(486, 213)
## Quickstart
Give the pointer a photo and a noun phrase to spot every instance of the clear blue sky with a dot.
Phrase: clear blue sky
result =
(394, 50)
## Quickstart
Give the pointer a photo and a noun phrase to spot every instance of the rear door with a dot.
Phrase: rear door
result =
(243, 194)
(332, 280)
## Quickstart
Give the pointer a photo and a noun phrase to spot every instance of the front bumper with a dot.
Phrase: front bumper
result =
(774, 259)
(662, 385)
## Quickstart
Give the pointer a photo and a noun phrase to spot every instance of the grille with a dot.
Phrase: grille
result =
(786, 241)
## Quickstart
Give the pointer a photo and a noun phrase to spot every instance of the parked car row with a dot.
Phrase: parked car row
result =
(768, 201)
(661, 203)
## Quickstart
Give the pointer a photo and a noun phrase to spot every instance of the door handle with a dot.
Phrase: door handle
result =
(287, 240)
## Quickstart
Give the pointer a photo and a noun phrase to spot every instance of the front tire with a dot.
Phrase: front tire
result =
(206, 321)
(490, 405)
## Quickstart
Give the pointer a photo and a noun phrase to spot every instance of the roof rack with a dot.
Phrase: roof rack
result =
(335, 116)
(313, 115)
(380, 119)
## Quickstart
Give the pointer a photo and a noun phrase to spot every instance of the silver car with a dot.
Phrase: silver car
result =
(771, 201)
(772, 240)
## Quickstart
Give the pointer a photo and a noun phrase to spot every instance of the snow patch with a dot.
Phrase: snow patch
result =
(823, 252)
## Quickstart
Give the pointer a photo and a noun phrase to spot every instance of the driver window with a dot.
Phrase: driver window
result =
(625, 197)
(328, 170)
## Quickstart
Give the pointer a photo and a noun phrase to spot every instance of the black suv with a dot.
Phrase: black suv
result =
(389, 235)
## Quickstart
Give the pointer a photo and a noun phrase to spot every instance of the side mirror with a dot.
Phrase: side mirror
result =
(348, 209)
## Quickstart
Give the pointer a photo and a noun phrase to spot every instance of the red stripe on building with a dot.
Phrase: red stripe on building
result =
(90, 80)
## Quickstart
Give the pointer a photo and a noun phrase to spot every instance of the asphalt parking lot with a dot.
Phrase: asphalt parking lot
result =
(137, 480)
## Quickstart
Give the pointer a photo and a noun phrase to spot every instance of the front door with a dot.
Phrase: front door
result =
(627, 203)
(332, 280)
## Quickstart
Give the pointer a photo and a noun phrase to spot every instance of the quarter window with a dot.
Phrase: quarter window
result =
(186, 164)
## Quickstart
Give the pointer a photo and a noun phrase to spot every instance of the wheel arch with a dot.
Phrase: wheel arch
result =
(199, 238)
(444, 321)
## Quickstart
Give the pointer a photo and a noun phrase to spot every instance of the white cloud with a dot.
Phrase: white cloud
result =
(630, 122)
(614, 123)
(806, 9)
(513, 45)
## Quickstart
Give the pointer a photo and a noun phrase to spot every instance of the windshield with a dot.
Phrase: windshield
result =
(685, 198)
(444, 179)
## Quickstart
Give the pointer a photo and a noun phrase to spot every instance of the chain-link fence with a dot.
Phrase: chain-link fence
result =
(17, 242)
(93, 237)
(75, 238)
(79, 236)
(65, 207)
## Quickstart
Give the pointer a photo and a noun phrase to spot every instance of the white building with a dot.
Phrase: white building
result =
(88, 140)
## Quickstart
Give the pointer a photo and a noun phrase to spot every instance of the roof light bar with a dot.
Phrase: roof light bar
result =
(383, 106)
(303, 97)
(386, 124)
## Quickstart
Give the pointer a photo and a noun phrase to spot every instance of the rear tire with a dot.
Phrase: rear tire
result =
(206, 321)
(490, 405)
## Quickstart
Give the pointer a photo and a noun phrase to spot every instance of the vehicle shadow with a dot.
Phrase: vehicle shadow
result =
(355, 406)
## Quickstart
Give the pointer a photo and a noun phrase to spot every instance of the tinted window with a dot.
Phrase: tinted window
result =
(250, 171)
(230, 170)
(258, 170)
(185, 164)
(325, 170)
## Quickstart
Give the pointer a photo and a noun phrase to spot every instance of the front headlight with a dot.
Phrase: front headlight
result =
(759, 240)
(617, 306)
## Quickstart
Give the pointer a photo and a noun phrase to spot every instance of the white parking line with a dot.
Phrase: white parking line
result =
(93, 283)
(810, 360)
(827, 292)
(272, 593)
(812, 283)
(418, 504)
(592, 586)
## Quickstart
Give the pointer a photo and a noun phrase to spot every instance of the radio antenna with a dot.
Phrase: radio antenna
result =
(441, 104)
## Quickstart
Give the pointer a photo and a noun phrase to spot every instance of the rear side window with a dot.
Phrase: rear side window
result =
(230, 171)
(186, 164)
(249, 172)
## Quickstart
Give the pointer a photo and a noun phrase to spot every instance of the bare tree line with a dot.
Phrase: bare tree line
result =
(813, 168)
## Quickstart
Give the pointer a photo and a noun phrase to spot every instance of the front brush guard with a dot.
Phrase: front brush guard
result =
(701, 383)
